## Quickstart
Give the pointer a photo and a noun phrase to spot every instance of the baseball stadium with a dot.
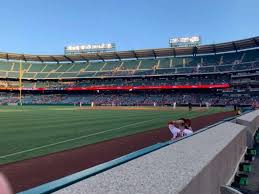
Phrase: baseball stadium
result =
(98, 120)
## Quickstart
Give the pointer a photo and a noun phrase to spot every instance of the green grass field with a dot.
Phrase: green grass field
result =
(38, 130)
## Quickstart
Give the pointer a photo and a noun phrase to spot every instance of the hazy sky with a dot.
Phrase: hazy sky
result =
(46, 26)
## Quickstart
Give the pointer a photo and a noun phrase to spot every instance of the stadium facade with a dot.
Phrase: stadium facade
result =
(219, 74)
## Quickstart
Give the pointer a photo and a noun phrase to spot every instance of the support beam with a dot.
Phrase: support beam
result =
(100, 57)
(256, 41)
(154, 54)
(194, 51)
(7, 56)
(23, 58)
(117, 56)
(135, 54)
(235, 46)
(214, 49)
(40, 59)
(69, 59)
(174, 52)
(54, 59)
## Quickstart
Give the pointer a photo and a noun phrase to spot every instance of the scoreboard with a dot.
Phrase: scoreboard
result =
(90, 48)
(185, 41)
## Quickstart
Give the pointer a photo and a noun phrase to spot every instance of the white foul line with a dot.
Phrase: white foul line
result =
(73, 139)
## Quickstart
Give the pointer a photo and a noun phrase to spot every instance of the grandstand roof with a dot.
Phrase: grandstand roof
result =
(145, 53)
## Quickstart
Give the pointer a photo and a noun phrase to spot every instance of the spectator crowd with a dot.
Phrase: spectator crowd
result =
(131, 98)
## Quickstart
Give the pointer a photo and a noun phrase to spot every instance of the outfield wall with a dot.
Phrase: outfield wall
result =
(199, 164)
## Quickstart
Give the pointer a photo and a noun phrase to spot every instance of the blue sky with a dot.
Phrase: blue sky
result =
(46, 26)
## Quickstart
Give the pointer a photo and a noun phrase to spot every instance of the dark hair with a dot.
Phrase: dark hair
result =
(187, 122)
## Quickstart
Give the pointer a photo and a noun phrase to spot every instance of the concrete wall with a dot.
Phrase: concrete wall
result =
(220, 169)
(250, 119)
(199, 164)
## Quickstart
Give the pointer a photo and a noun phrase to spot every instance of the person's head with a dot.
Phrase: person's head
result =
(187, 123)
(179, 123)
(170, 123)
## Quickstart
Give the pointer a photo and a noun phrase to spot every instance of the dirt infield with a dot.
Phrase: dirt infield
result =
(33, 172)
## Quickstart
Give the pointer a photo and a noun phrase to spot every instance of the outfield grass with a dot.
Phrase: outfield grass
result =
(38, 130)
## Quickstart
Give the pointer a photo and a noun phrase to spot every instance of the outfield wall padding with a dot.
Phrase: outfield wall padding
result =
(199, 164)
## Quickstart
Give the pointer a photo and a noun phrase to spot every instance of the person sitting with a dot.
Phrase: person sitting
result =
(187, 127)
(176, 127)
(180, 128)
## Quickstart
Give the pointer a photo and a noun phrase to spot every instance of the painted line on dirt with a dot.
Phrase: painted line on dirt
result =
(73, 139)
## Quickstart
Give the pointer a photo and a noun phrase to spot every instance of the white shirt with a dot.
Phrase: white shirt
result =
(187, 132)
(174, 130)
